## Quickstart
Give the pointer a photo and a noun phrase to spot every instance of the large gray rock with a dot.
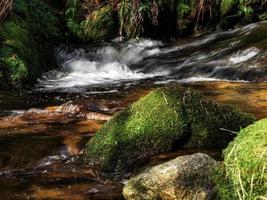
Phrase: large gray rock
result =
(184, 178)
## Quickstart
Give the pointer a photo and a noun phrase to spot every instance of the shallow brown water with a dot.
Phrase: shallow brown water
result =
(38, 151)
(40, 147)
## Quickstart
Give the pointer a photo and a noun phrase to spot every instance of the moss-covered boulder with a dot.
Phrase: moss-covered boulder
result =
(149, 126)
(166, 119)
(211, 124)
(244, 174)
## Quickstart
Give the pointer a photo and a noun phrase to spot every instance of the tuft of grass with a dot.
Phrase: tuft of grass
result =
(94, 25)
(243, 175)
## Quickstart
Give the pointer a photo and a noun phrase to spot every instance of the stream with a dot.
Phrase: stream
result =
(43, 130)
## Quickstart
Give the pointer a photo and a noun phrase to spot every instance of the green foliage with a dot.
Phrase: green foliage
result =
(43, 17)
(14, 67)
(228, 6)
(72, 9)
(141, 18)
(248, 13)
(263, 16)
(99, 25)
(166, 118)
(94, 26)
(21, 7)
(183, 9)
(131, 17)
(17, 50)
(243, 175)
(23, 48)
(39, 14)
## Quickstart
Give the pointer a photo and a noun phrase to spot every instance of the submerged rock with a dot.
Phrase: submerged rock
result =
(186, 177)
(41, 119)
(166, 119)
(244, 170)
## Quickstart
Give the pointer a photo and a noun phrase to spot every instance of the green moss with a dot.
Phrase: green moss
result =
(159, 122)
(39, 14)
(139, 131)
(244, 171)
(228, 6)
(183, 9)
(24, 42)
(16, 50)
(211, 124)
(248, 13)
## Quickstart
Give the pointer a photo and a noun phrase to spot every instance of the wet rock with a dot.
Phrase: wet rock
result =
(70, 107)
(166, 119)
(69, 112)
(186, 177)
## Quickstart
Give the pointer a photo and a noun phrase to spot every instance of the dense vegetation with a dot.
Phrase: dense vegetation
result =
(33, 26)
(26, 42)
(162, 19)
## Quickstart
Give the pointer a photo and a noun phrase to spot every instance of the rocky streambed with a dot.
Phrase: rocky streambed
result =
(41, 148)
(44, 131)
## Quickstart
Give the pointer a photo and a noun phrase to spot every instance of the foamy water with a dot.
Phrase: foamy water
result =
(243, 56)
(101, 66)
(120, 62)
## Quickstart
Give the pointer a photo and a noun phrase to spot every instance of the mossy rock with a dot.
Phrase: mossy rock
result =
(166, 119)
(149, 126)
(210, 123)
(244, 171)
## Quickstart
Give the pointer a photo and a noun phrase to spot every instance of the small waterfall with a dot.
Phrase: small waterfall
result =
(101, 65)
(235, 55)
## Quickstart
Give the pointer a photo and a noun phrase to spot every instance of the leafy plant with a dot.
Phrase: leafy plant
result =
(39, 14)
(15, 69)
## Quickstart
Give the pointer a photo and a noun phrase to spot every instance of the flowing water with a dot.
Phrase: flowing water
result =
(40, 147)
